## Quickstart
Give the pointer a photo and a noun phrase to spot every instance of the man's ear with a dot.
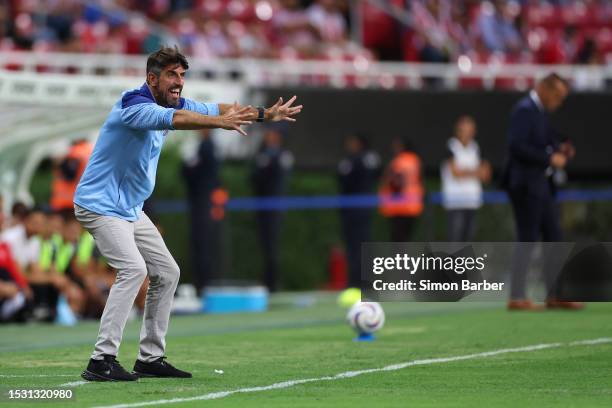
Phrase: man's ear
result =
(152, 79)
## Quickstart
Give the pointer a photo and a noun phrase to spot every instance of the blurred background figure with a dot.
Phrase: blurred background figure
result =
(294, 30)
(23, 238)
(326, 17)
(463, 173)
(358, 174)
(271, 171)
(534, 152)
(66, 175)
(402, 191)
(201, 175)
(43, 278)
(497, 28)
(19, 212)
(23, 242)
(432, 20)
(74, 264)
(14, 289)
(2, 215)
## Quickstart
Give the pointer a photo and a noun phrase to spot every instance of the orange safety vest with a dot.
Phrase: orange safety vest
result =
(401, 193)
(62, 190)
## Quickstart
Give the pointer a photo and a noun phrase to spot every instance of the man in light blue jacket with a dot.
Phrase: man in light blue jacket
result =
(119, 177)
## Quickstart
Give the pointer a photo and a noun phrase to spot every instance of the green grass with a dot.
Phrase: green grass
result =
(291, 342)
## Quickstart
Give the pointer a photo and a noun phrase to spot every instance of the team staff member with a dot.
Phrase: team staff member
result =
(402, 192)
(273, 164)
(358, 173)
(463, 173)
(119, 177)
(14, 288)
(201, 175)
(67, 174)
(533, 154)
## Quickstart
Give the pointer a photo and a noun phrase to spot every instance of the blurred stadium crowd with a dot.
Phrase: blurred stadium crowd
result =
(525, 31)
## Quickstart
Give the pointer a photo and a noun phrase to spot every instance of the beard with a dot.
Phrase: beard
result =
(172, 99)
(167, 98)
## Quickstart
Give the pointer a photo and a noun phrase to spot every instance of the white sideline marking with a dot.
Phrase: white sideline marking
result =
(73, 384)
(350, 374)
(34, 375)
(589, 342)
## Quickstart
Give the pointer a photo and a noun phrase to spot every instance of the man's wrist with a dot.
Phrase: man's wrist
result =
(217, 121)
(268, 114)
(261, 114)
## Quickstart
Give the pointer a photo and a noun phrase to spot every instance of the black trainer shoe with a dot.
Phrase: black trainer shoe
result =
(107, 369)
(158, 368)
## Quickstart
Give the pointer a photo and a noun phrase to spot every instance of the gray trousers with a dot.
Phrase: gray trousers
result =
(134, 250)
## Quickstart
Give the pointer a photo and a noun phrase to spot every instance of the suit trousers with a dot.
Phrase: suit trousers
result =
(356, 229)
(537, 218)
(134, 250)
(269, 228)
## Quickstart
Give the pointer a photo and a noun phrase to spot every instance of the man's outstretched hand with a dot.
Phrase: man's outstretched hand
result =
(235, 117)
(280, 111)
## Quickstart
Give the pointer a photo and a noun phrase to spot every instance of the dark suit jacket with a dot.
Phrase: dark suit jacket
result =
(531, 141)
(202, 175)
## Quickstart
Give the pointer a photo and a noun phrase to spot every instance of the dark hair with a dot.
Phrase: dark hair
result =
(362, 139)
(406, 143)
(550, 79)
(165, 57)
(79, 141)
(588, 51)
(464, 118)
(29, 211)
(64, 214)
(70, 218)
(19, 210)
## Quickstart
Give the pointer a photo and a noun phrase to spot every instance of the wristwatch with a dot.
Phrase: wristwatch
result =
(260, 113)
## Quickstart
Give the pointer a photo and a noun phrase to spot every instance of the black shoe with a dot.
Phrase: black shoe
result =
(107, 369)
(158, 368)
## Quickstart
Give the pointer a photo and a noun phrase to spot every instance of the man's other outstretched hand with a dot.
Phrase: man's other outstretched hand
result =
(280, 111)
(235, 116)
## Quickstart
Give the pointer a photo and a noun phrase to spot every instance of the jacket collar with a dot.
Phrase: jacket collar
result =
(536, 99)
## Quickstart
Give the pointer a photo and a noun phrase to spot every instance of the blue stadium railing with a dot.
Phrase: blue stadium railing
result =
(360, 201)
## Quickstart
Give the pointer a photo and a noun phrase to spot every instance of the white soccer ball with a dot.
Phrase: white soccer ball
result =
(366, 317)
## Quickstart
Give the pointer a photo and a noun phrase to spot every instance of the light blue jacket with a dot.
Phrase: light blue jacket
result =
(121, 172)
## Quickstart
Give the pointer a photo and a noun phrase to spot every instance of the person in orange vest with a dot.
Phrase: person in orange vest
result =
(67, 174)
(401, 193)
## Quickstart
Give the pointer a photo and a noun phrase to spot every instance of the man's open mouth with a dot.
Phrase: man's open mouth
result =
(176, 92)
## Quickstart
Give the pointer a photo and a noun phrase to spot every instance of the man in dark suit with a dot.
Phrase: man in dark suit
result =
(272, 167)
(358, 174)
(201, 174)
(534, 154)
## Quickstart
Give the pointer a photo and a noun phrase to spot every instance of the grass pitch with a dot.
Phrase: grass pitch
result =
(310, 342)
